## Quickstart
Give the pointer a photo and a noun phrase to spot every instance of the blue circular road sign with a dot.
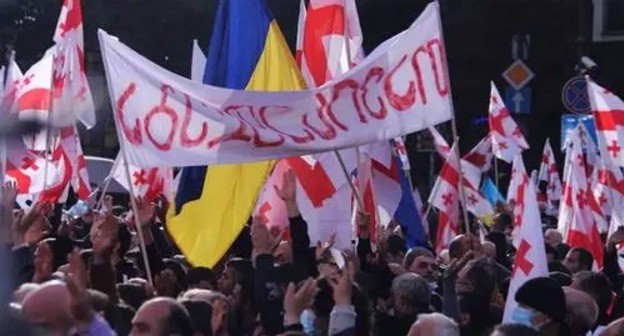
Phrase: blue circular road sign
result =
(574, 96)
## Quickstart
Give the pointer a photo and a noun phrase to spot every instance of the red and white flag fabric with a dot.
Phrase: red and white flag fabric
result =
(445, 198)
(442, 147)
(72, 95)
(507, 138)
(148, 183)
(476, 203)
(33, 98)
(530, 259)
(549, 173)
(329, 43)
(70, 145)
(12, 78)
(578, 220)
(608, 110)
(269, 205)
(477, 161)
(329, 40)
(26, 168)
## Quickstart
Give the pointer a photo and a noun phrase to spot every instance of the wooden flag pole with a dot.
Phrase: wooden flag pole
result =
(122, 148)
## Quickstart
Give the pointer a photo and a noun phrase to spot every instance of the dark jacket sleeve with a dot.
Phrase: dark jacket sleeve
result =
(611, 268)
(160, 239)
(304, 260)
(364, 249)
(269, 295)
(154, 258)
(23, 267)
(450, 304)
(103, 279)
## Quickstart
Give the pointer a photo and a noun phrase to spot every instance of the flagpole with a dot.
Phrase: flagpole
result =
(358, 197)
(462, 195)
(104, 191)
(347, 175)
(496, 172)
(122, 148)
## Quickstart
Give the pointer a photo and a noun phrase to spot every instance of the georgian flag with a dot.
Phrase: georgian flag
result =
(148, 183)
(507, 138)
(608, 112)
(445, 198)
(549, 174)
(530, 259)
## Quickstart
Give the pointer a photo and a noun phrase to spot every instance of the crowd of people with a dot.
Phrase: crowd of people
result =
(87, 276)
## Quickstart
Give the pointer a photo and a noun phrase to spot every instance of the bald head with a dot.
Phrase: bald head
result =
(553, 237)
(434, 324)
(615, 328)
(489, 250)
(48, 306)
(582, 310)
(161, 316)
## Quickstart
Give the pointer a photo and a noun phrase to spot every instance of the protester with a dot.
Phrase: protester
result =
(434, 324)
(582, 312)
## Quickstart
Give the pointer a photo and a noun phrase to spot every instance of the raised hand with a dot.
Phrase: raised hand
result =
(288, 193)
(262, 240)
(104, 237)
(146, 212)
(77, 282)
(9, 193)
(288, 190)
(297, 300)
(342, 286)
(43, 263)
(323, 248)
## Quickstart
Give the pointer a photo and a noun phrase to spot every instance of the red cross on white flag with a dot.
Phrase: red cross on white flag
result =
(608, 112)
(530, 260)
(72, 95)
(579, 214)
(477, 161)
(445, 198)
(147, 182)
(33, 98)
(550, 174)
(507, 138)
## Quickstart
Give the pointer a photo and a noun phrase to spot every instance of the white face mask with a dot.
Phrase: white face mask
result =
(433, 285)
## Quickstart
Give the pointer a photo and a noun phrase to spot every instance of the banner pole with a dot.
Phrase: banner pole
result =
(122, 148)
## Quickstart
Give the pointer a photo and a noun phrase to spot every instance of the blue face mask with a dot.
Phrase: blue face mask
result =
(307, 321)
(522, 316)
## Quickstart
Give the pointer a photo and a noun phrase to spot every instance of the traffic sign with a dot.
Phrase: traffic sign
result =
(518, 101)
(569, 123)
(518, 74)
(574, 96)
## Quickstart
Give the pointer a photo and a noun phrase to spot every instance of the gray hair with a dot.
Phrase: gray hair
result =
(442, 325)
(412, 289)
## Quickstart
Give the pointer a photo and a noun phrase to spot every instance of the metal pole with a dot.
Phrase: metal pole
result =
(462, 195)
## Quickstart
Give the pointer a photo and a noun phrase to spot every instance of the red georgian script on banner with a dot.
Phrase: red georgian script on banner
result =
(165, 119)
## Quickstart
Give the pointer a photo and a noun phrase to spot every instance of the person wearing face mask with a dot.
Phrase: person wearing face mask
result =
(541, 306)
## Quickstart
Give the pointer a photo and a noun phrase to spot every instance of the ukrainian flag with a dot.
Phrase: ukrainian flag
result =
(247, 51)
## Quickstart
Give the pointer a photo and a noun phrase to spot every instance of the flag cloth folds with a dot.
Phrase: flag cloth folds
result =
(247, 51)
(507, 138)
(530, 258)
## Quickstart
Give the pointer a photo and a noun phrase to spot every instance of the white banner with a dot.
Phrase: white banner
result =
(168, 120)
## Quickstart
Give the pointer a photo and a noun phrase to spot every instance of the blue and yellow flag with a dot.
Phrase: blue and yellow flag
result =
(247, 51)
